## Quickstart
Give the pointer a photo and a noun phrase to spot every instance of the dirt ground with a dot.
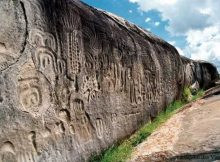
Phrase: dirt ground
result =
(192, 134)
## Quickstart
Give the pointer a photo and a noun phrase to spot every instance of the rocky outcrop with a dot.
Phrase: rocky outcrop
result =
(203, 72)
(74, 80)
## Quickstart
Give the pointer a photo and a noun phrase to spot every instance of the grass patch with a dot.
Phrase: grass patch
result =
(122, 151)
(199, 94)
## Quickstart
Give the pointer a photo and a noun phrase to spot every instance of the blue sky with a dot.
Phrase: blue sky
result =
(192, 26)
(150, 20)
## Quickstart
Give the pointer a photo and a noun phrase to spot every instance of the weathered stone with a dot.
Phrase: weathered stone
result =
(203, 72)
(74, 80)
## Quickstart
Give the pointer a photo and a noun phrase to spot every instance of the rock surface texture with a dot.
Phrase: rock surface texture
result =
(202, 72)
(189, 136)
(74, 80)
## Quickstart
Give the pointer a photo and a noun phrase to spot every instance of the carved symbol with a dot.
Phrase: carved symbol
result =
(42, 39)
(63, 94)
(46, 133)
(94, 40)
(75, 137)
(32, 97)
(108, 84)
(100, 127)
(114, 118)
(8, 147)
(27, 157)
(2, 89)
(74, 61)
(1, 97)
(46, 63)
(78, 107)
(7, 152)
(30, 94)
(32, 138)
(90, 87)
(72, 129)
(60, 128)
(64, 115)
(82, 126)
(61, 67)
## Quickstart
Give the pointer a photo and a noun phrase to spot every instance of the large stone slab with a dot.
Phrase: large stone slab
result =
(74, 80)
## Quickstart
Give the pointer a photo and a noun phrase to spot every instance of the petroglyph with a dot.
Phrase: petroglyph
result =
(75, 80)
(32, 97)
(39, 38)
(30, 94)
(100, 127)
(74, 62)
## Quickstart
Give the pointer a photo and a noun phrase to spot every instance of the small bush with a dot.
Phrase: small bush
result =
(187, 95)
(198, 94)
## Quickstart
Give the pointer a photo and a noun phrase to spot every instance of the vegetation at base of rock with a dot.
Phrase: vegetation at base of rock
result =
(187, 95)
(199, 94)
(122, 151)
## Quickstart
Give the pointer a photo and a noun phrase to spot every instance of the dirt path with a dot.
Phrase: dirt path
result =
(190, 135)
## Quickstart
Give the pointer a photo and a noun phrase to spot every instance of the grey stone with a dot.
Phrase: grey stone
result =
(74, 80)
(203, 72)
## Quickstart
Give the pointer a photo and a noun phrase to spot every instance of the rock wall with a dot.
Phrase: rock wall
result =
(74, 80)
(205, 73)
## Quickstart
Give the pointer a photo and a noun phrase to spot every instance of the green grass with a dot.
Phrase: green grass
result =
(122, 151)
(199, 94)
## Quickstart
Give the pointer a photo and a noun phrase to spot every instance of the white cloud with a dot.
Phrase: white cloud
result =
(204, 44)
(184, 14)
(172, 42)
(148, 19)
(198, 21)
(130, 11)
(181, 52)
(157, 23)
(158, 2)
(205, 11)
(149, 29)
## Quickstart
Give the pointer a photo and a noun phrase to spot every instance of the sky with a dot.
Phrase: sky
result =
(192, 26)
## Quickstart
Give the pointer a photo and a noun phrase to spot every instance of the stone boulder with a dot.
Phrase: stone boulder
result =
(74, 80)
(203, 72)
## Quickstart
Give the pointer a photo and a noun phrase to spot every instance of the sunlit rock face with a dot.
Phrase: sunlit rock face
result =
(202, 72)
(74, 80)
